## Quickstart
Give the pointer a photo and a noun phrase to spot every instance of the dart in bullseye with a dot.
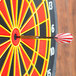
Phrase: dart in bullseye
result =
(60, 38)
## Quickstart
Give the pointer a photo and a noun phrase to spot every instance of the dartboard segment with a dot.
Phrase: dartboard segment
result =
(30, 24)
(23, 11)
(42, 17)
(5, 13)
(6, 65)
(4, 31)
(3, 39)
(3, 23)
(3, 47)
(4, 57)
(26, 60)
(23, 70)
(42, 47)
(9, 7)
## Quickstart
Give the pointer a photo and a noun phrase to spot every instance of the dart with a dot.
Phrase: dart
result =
(60, 38)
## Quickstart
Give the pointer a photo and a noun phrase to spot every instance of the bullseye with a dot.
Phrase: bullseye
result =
(15, 40)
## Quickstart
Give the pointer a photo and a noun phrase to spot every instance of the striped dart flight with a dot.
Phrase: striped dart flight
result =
(64, 38)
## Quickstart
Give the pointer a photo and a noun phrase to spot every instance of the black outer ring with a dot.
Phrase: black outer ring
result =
(52, 60)
(55, 58)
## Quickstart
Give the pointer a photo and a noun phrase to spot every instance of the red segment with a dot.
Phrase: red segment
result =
(41, 13)
(24, 9)
(29, 25)
(37, 31)
(15, 42)
(32, 6)
(14, 8)
(42, 47)
(6, 67)
(45, 67)
(26, 60)
(34, 59)
(29, 42)
(17, 71)
(34, 73)
(4, 12)
(3, 47)
(4, 32)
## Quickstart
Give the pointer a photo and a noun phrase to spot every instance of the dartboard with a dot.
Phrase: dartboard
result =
(27, 57)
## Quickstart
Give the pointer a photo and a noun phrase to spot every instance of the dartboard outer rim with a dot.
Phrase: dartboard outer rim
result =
(55, 59)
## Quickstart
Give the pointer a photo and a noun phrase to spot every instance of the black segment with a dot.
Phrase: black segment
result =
(47, 50)
(21, 65)
(46, 9)
(31, 32)
(28, 0)
(43, 29)
(28, 51)
(37, 2)
(39, 64)
(30, 69)
(12, 67)
(36, 45)
(2, 59)
(51, 63)
(35, 18)
(26, 17)
(53, 18)
(9, 7)
(19, 5)
(2, 22)
(3, 39)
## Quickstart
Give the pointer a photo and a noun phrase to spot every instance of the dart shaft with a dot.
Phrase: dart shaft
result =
(34, 37)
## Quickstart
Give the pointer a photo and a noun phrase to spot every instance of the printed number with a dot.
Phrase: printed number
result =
(50, 5)
(52, 28)
(49, 72)
(52, 51)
